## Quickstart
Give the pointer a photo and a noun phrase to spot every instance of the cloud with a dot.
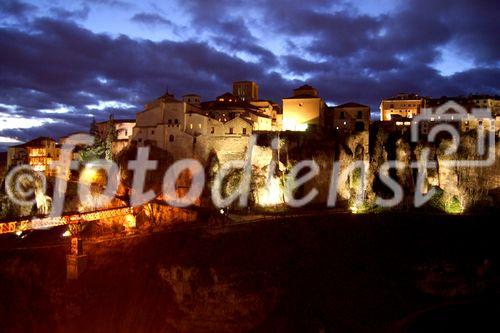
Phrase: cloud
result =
(79, 14)
(55, 67)
(119, 4)
(151, 20)
(81, 68)
(15, 8)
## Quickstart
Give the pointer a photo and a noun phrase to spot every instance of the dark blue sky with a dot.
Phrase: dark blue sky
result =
(62, 62)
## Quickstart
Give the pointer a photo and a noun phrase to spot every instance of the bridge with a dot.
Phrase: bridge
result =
(73, 218)
(76, 260)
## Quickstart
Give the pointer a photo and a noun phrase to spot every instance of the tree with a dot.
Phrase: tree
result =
(110, 138)
(98, 149)
(93, 128)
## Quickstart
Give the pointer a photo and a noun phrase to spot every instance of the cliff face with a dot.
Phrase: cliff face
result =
(470, 186)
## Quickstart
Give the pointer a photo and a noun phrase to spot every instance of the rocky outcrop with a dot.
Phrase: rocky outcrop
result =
(210, 300)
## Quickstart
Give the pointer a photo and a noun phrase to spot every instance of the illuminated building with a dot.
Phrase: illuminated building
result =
(402, 105)
(303, 110)
(228, 106)
(246, 90)
(272, 110)
(38, 153)
(350, 117)
(17, 155)
(192, 99)
(486, 101)
(162, 124)
(467, 106)
(124, 128)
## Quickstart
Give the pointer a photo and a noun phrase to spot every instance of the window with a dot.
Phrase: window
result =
(342, 115)
(360, 126)
(190, 126)
(212, 130)
(244, 131)
(176, 121)
(231, 130)
(170, 121)
(199, 125)
(171, 138)
(153, 132)
(360, 115)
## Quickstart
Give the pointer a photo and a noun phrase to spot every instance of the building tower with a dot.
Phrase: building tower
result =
(246, 90)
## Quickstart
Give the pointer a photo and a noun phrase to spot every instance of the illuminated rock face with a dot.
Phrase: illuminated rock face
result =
(469, 184)
(463, 187)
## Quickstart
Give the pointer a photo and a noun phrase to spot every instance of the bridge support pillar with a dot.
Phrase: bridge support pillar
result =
(76, 261)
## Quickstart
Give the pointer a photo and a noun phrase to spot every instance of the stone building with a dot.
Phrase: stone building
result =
(486, 101)
(401, 105)
(124, 128)
(228, 106)
(465, 107)
(350, 117)
(246, 90)
(188, 130)
(192, 99)
(303, 110)
(38, 153)
(17, 155)
(272, 110)
(162, 124)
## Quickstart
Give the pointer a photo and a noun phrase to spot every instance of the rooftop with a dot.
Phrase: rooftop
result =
(351, 105)
(38, 142)
(305, 87)
(115, 121)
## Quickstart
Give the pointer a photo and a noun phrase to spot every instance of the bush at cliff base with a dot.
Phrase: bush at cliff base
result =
(446, 203)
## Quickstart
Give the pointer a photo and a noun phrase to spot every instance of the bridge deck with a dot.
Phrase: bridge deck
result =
(67, 219)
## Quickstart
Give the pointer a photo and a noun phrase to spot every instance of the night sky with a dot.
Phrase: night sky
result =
(63, 62)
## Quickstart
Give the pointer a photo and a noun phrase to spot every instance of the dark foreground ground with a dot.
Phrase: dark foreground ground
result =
(364, 273)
